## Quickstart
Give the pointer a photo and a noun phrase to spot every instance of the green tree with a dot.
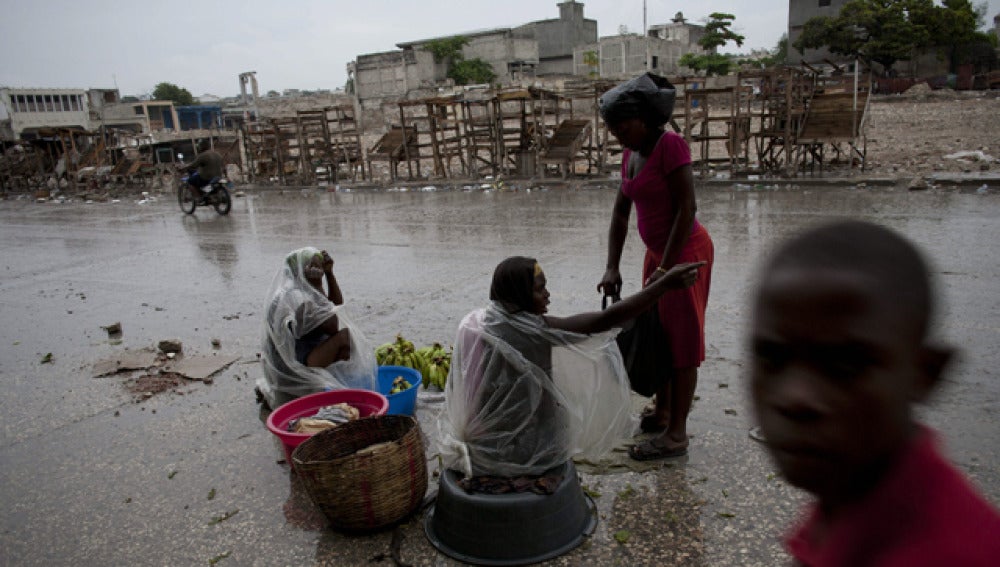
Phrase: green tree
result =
(710, 63)
(591, 60)
(879, 31)
(780, 52)
(447, 48)
(169, 91)
(463, 71)
(471, 72)
(718, 32)
(954, 29)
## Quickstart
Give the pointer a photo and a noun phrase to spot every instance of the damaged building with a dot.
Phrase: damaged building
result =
(626, 55)
(72, 135)
(539, 48)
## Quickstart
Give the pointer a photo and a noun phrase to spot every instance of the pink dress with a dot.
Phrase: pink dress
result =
(682, 311)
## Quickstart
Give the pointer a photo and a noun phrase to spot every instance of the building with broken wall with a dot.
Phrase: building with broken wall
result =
(24, 112)
(626, 55)
(539, 48)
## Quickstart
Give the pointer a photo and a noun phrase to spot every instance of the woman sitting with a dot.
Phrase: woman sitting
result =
(309, 345)
(528, 391)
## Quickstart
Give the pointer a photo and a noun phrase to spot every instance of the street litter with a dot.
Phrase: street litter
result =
(170, 345)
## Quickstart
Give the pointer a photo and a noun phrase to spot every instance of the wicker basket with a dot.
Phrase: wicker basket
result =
(365, 474)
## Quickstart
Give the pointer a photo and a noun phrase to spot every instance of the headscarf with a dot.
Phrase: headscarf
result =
(514, 282)
(295, 308)
(648, 97)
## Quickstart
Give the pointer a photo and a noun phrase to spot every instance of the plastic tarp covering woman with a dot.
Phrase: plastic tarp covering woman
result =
(296, 307)
(522, 397)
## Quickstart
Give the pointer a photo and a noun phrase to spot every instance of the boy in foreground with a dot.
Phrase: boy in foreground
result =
(841, 352)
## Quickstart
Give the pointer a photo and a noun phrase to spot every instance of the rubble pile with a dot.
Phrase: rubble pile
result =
(947, 132)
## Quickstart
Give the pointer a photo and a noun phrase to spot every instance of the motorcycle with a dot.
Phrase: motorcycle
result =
(218, 197)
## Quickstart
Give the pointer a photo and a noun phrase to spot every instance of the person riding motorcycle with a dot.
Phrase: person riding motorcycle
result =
(206, 167)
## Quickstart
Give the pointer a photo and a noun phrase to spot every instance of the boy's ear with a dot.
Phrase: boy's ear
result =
(932, 363)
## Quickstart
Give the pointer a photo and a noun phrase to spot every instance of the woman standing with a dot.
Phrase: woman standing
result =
(657, 179)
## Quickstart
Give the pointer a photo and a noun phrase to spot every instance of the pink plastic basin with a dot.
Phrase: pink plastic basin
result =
(367, 402)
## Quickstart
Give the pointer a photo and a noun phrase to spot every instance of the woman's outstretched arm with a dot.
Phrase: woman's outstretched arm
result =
(679, 276)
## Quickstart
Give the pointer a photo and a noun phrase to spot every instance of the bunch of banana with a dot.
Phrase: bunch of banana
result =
(383, 352)
(401, 353)
(437, 372)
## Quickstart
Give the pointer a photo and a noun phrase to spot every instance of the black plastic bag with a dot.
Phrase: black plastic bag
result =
(643, 347)
(648, 97)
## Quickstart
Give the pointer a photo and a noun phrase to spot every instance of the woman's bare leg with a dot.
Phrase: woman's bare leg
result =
(333, 349)
(657, 416)
(681, 397)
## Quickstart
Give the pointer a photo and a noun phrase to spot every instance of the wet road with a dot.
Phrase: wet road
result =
(88, 475)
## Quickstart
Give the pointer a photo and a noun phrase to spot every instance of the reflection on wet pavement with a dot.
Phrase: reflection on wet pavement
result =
(87, 472)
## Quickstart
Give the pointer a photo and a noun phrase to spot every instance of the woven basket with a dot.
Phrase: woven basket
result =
(360, 487)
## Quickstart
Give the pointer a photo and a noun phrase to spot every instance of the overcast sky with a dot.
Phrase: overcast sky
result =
(304, 44)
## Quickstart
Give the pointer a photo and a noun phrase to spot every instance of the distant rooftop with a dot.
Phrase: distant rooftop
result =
(468, 34)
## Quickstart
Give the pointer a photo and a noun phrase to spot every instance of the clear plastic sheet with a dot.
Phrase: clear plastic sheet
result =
(294, 309)
(522, 398)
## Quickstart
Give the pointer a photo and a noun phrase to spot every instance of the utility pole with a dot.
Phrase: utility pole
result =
(645, 37)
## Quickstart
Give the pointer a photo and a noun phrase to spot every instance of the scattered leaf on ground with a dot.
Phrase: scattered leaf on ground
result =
(172, 474)
(211, 494)
(591, 492)
(670, 517)
(47, 358)
(770, 476)
(219, 557)
(696, 398)
(723, 385)
(627, 492)
(724, 493)
(725, 515)
(730, 412)
(621, 536)
(128, 500)
(223, 518)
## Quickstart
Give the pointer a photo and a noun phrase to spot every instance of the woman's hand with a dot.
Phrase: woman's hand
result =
(677, 277)
(327, 262)
(611, 283)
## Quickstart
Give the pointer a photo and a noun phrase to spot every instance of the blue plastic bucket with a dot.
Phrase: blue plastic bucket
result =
(403, 403)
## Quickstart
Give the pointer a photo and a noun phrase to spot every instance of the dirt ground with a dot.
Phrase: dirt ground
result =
(913, 134)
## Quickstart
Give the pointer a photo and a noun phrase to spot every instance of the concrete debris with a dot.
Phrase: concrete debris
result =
(127, 360)
(976, 155)
(200, 367)
(113, 329)
(170, 345)
(917, 184)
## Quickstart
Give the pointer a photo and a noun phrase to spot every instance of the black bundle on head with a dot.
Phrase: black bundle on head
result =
(647, 97)
(514, 282)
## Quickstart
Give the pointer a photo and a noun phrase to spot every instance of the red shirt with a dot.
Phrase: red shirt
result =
(923, 513)
(650, 192)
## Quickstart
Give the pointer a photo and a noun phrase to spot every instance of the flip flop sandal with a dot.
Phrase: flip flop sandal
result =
(649, 451)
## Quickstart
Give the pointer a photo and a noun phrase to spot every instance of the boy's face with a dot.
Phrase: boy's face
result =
(834, 371)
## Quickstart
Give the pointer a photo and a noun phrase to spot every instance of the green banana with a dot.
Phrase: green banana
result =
(382, 352)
